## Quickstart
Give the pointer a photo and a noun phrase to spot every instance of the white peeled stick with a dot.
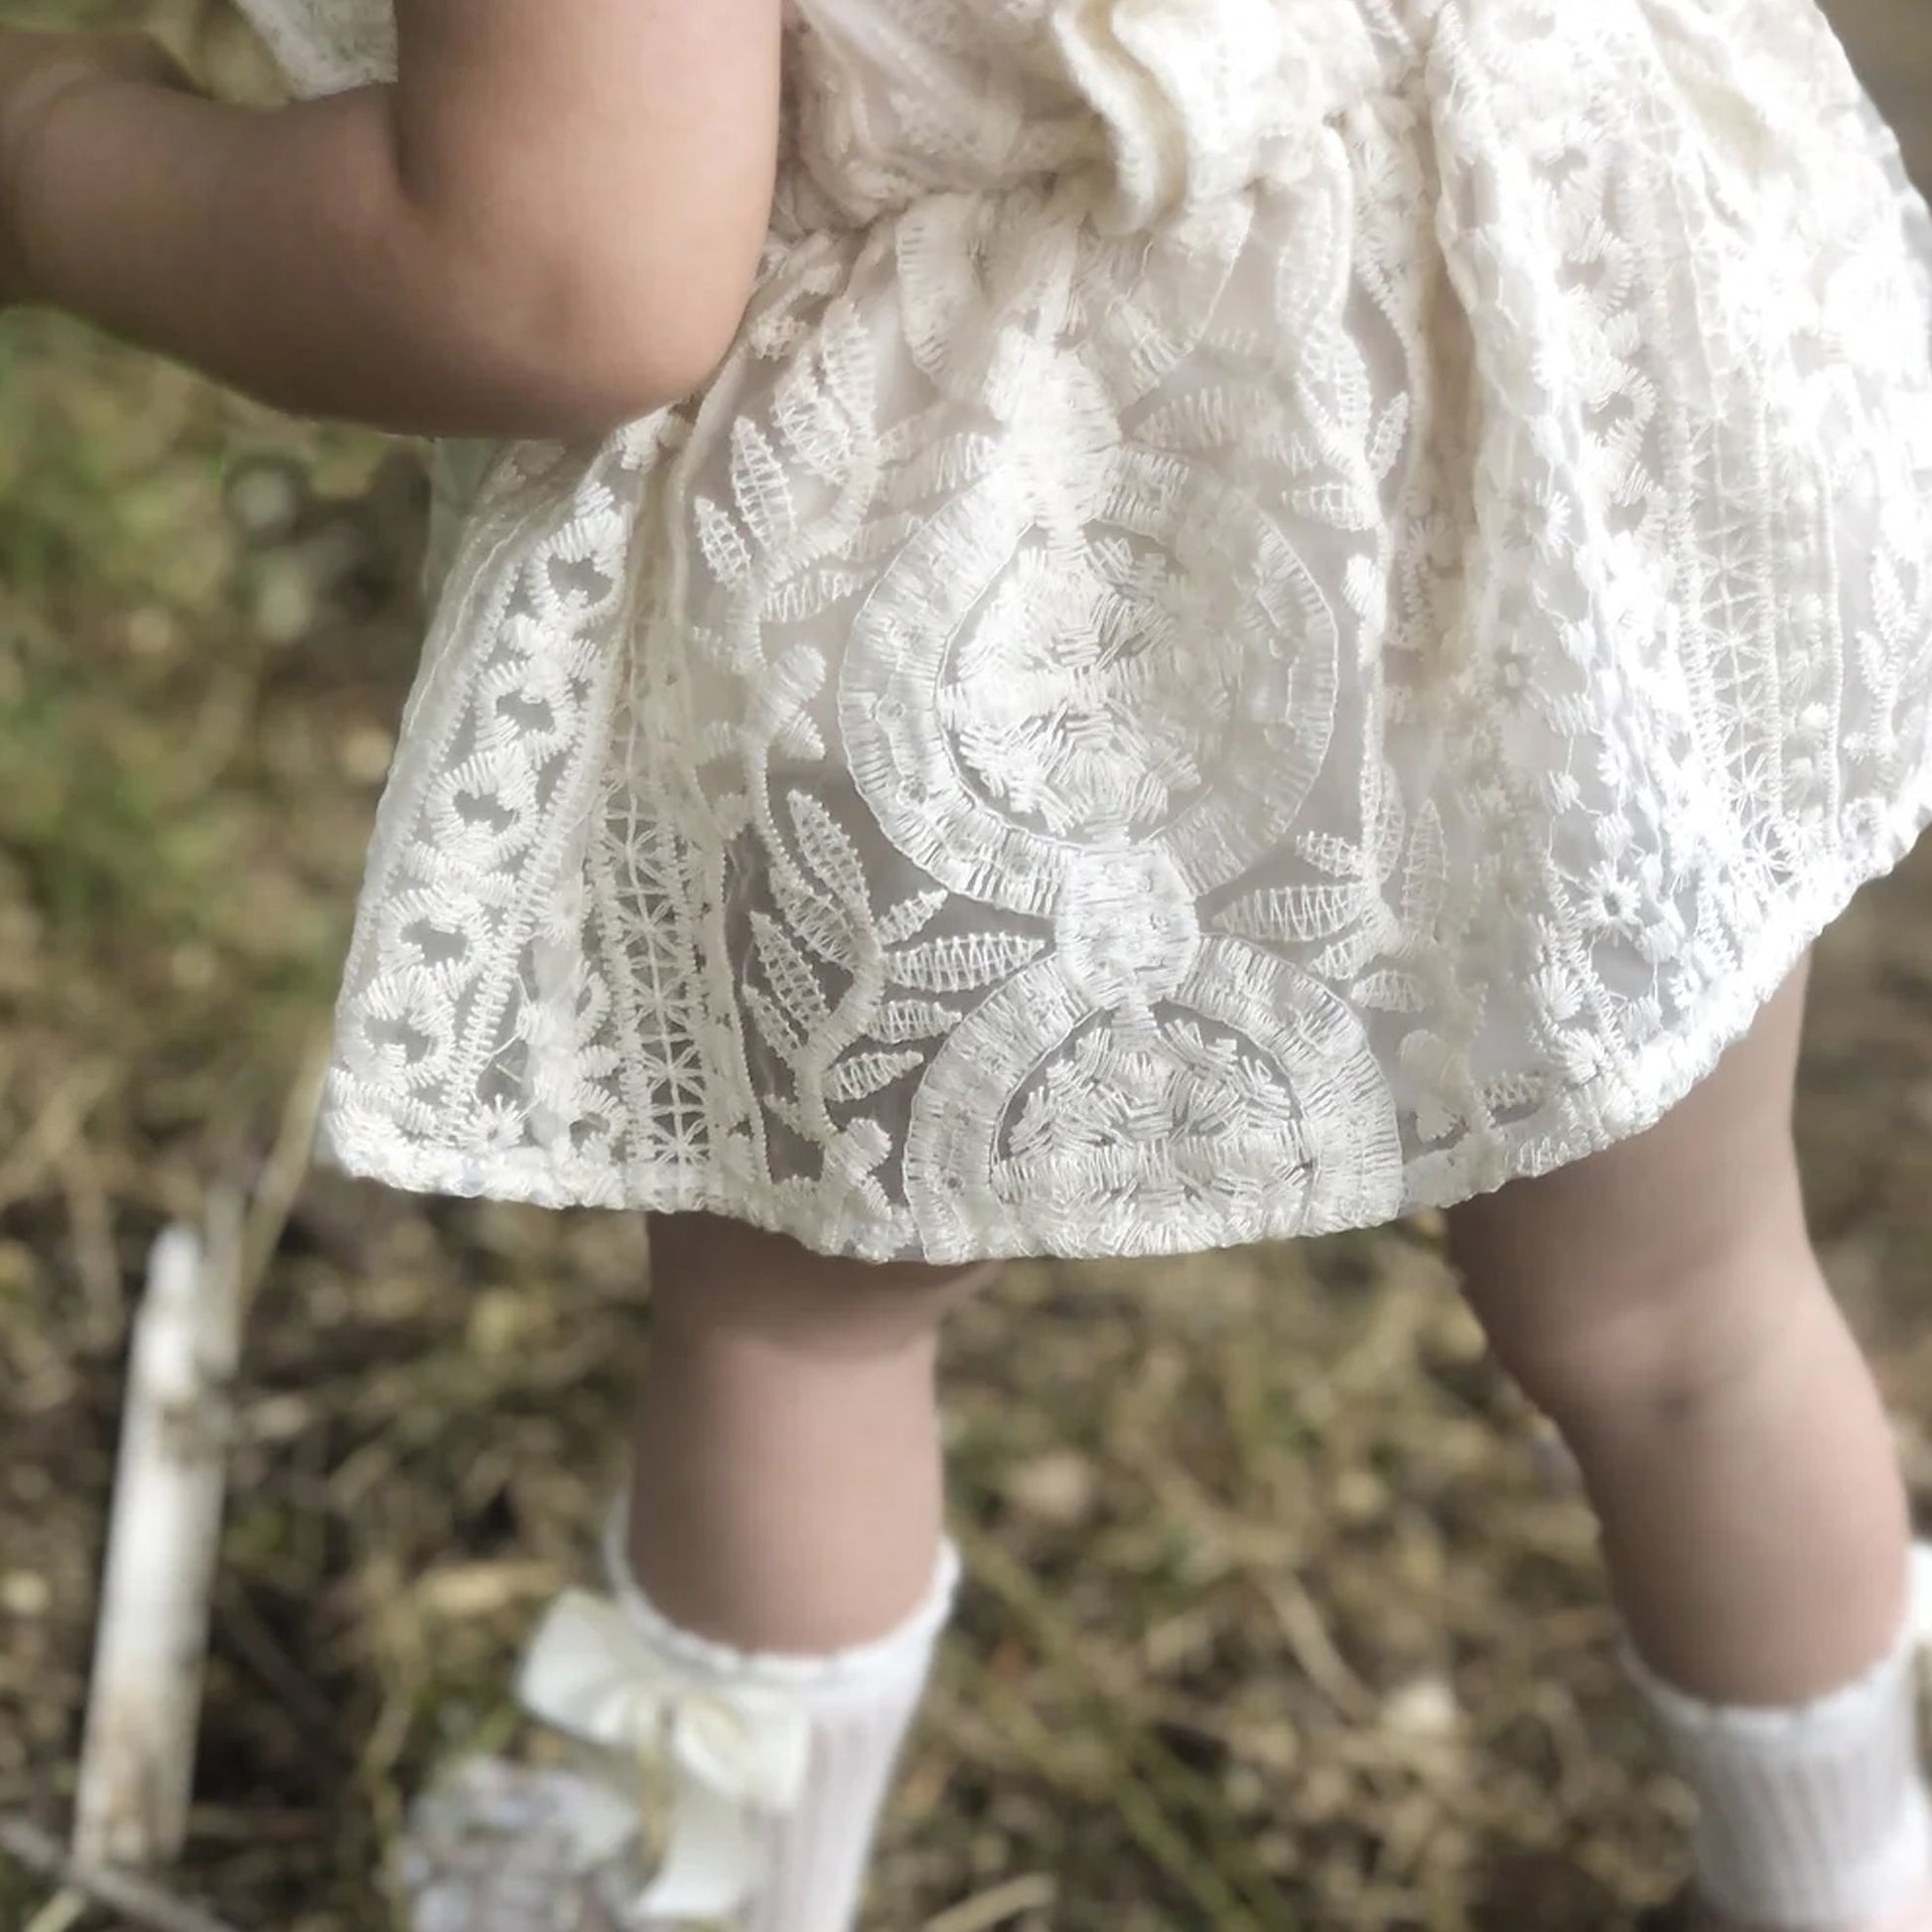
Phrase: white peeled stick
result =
(144, 1701)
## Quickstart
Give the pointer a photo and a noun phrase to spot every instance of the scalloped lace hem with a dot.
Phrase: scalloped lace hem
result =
(1612, 1106)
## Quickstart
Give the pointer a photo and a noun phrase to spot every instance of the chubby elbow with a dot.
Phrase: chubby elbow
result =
(587, 382)
(577, 352)
(591, 259)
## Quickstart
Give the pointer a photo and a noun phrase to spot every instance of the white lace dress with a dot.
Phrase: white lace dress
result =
(1286, 610)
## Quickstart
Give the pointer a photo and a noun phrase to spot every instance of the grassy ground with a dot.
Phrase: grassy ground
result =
(1282, 1614)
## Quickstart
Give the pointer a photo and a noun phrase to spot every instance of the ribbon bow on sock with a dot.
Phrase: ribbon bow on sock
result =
(737, 1753)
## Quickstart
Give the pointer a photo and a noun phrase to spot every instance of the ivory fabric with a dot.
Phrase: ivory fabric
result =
(1285, 609)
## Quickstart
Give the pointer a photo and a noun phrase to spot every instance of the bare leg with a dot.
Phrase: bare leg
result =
(787, 1493)
(786, 1563)
(1661, 1301)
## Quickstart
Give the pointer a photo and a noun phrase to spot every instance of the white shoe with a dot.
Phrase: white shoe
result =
(498, 1847)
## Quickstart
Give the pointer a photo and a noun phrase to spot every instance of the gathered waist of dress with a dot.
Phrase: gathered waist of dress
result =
(1149, 108)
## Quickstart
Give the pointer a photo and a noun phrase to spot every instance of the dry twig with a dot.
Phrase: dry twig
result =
(139, 1901)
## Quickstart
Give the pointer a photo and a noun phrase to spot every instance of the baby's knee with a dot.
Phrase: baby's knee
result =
(1653, 1330)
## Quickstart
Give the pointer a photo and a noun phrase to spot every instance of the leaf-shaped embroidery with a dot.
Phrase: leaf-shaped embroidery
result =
(760, 486)
(911, 915)
(828, 851)
(900, 1021)
(1425, 877)
(962, 965)
(726, 552)
(1390, 991)
(1386, 444)
(813, 918)
(790, 973)
(1337, 503)
(1875, 656)
(1387, 823)
(1216, 416)
(860, 1075)
(844, 351)
(1889, 606)
(778, 1032)
(1339, 858)
(1346, 958)
(1305, 913)
(810, 425)
(1334, 389)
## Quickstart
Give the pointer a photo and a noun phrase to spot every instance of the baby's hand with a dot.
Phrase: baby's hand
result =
(37, 69)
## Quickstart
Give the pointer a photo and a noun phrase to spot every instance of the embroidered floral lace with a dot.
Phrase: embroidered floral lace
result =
(1286, 608)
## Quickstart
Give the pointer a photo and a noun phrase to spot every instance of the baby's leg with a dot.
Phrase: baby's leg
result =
(1661, 1302)
(787, 1489)
(785, 1522)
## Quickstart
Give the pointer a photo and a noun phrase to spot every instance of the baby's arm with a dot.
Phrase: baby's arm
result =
(549, 225)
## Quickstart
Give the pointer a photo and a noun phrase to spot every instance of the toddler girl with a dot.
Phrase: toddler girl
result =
(1108, 627)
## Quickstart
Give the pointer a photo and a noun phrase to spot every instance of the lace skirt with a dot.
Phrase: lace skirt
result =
(1090, 743)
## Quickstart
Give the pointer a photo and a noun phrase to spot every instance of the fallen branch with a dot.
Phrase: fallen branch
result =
(138, 1900)
(137, 1761)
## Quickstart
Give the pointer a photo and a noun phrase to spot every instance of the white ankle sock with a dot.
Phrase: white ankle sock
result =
(859, 1702)
(1816, 1815)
